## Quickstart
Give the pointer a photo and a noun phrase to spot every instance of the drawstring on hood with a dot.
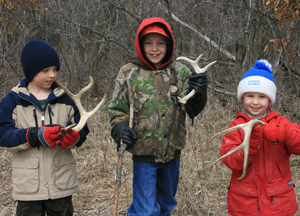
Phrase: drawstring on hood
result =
(34, 115)
(50, 114)
(23, 93)
(43, 117)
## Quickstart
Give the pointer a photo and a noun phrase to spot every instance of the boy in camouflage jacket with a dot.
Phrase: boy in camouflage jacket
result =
(159, 132)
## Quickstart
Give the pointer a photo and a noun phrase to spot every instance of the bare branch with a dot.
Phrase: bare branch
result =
(207, 39)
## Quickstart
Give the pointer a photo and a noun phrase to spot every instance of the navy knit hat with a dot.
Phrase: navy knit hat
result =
(258, 79)
(37, 55)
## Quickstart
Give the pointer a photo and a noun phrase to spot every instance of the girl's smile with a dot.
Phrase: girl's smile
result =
(256, 103)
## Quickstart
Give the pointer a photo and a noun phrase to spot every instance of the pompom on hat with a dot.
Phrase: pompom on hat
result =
(37, 55)
(258, 79)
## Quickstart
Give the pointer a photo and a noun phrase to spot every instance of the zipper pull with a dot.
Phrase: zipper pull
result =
(34, 111)
(43, 119)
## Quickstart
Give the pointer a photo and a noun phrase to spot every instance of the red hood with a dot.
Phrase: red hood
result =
(170, 52)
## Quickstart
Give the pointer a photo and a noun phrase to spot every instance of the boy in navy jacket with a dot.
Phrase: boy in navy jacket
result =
(32, 120)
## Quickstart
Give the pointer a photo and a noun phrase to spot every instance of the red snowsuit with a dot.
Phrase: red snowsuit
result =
(267, 188)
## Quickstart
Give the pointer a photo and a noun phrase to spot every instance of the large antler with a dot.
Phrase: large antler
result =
(197, 69)
(247, 127)
(84, 116)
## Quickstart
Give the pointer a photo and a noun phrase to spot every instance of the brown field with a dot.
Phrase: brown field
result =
(202, 187)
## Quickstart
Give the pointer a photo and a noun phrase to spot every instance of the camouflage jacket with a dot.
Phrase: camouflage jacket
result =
(159, 119)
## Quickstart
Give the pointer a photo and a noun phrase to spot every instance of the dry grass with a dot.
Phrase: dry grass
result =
(202, 188)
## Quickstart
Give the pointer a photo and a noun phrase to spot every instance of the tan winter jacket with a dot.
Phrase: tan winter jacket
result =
(38, 173)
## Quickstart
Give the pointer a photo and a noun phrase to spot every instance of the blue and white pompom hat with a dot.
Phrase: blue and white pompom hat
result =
(258, 79)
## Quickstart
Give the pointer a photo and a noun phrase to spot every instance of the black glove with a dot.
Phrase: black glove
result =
(122, 131)
(196, 104)
(198, 82)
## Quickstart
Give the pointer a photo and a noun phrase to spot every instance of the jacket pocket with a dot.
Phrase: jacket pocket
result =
(279, 188)
(281, 196)
(245, 190)
(65, 172)
(25, 175)
(242, 202)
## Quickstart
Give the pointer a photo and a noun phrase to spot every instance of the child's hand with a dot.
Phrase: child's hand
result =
(122, 131)
(255, 139)
(273, 133)
(46, 136)
(67, 138)
(198, 82)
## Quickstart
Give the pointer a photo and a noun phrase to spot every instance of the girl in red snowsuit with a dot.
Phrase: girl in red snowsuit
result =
(267, 188)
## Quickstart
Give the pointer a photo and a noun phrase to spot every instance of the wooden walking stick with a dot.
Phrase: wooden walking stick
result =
(122, 149)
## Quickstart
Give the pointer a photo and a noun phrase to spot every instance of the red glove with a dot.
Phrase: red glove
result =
(255, 139)
(46, 136)
(67, 138)
(273, 133)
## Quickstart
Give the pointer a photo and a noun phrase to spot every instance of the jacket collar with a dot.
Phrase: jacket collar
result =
(269, 115)
(22, 91)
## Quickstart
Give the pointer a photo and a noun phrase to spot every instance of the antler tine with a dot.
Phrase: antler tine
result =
(247, 127)
(84, 115)
(195, 65)
(82, 91)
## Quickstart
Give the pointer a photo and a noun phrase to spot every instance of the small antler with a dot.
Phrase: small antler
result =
(84, 116)
(198, 70)
(247, 127)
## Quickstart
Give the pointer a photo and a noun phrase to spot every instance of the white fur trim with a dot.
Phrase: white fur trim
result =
(257, 84)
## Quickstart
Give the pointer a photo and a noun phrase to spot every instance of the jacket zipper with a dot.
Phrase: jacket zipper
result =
(46, 172)
(43, 122)
(45, 156)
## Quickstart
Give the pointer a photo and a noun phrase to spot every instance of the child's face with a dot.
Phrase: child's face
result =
(45, 78)
(256, 103)
(155, 47)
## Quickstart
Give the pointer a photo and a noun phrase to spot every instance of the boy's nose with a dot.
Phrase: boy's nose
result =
(52, 73)
(154, 47)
